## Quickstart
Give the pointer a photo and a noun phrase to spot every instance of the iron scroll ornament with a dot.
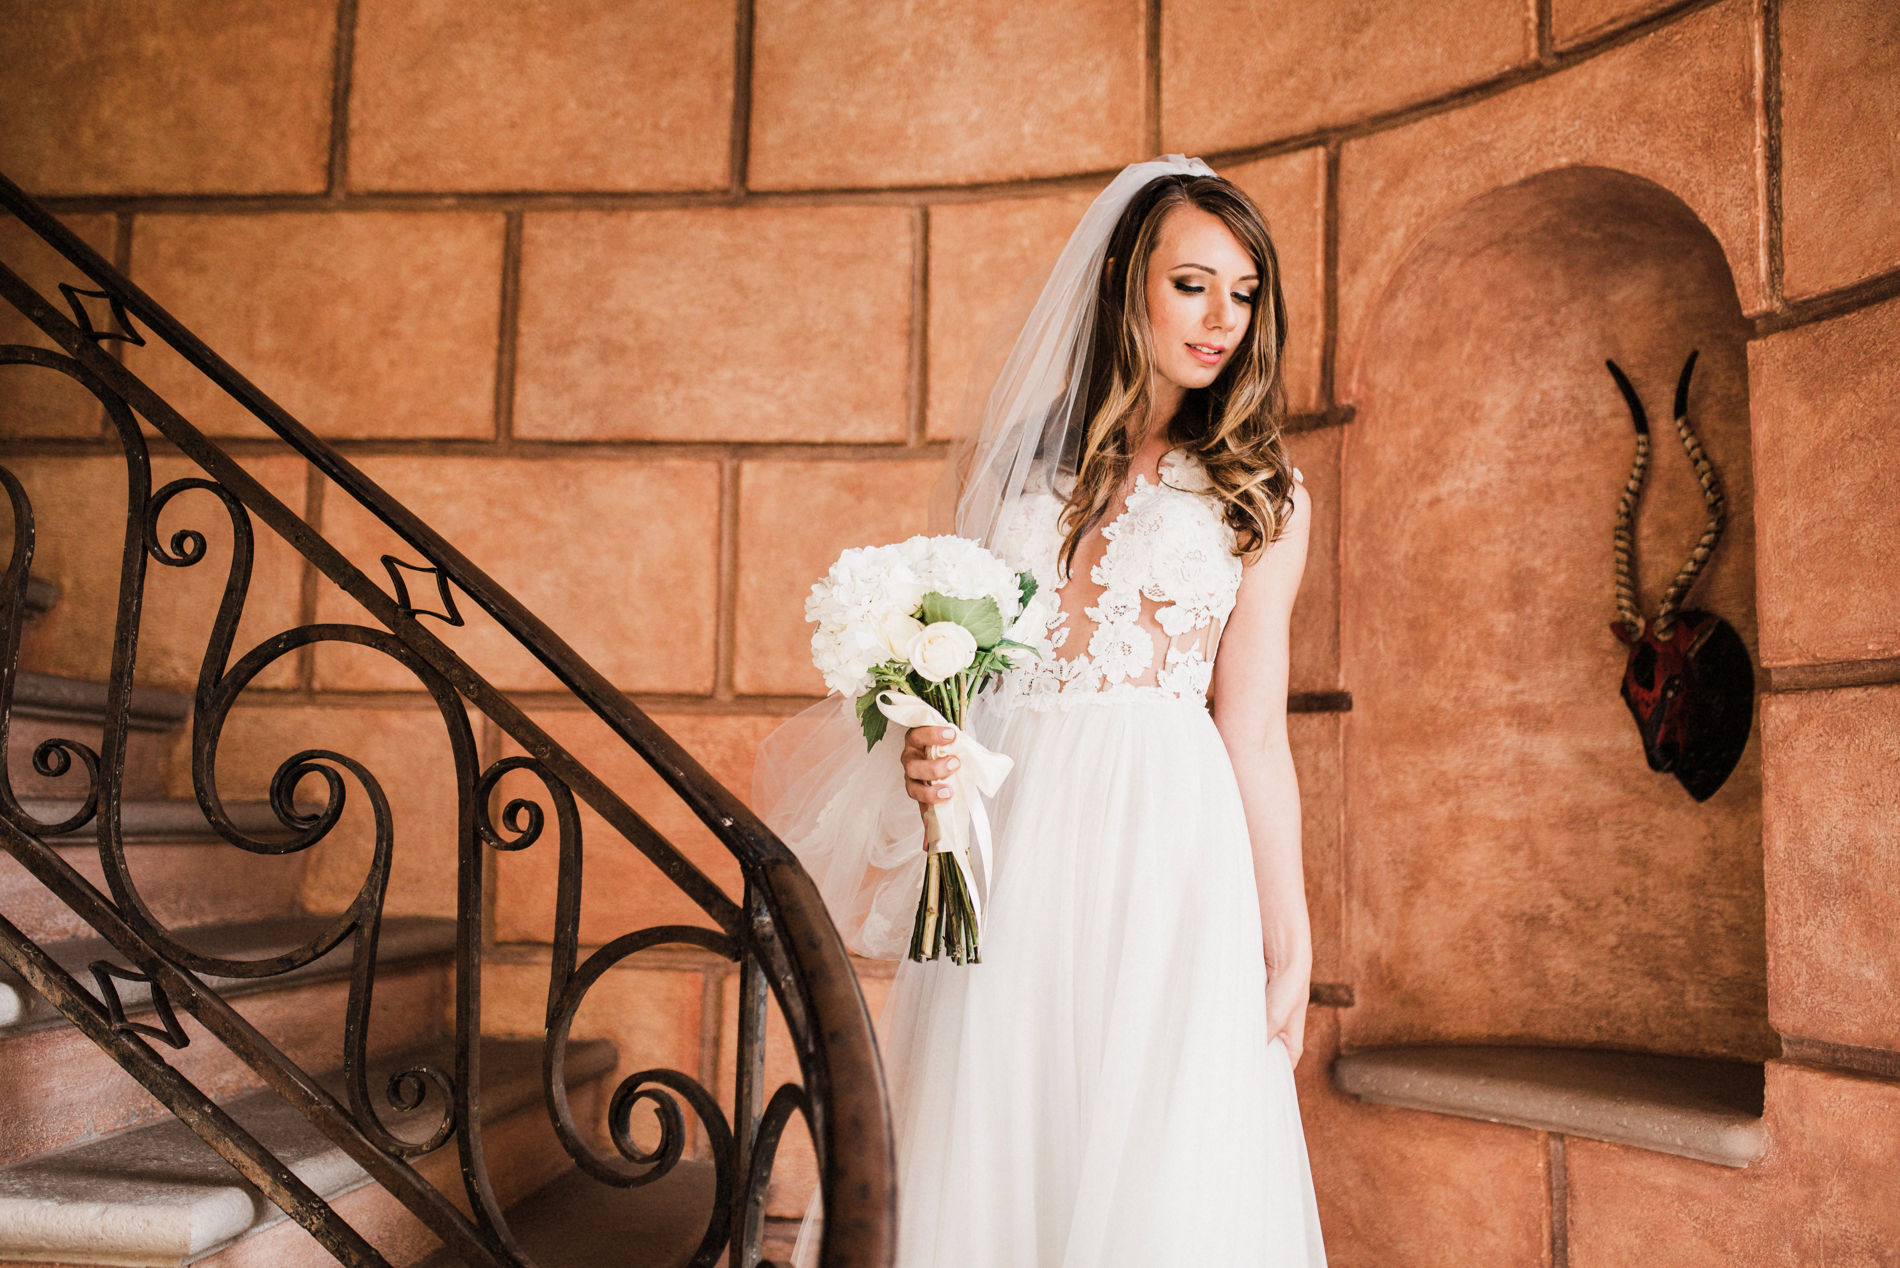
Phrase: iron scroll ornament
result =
(169, 967)
(778, 940)
(1689, 681)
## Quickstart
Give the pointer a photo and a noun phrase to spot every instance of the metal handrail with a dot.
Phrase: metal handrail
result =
(780, 935)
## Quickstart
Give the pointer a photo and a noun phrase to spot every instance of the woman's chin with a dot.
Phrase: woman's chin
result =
(1192, 378)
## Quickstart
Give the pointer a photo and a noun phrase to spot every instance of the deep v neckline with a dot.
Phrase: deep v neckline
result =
(1141, 485)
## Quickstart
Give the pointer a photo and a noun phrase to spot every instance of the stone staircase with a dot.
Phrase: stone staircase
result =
(93, 1171)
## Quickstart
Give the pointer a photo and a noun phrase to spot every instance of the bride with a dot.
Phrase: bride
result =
(1113, 1084)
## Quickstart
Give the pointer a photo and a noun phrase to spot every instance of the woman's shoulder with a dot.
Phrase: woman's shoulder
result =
(1302, 501)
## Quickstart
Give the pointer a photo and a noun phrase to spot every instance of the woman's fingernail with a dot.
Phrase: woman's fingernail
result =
(942, 794)
(953, 764)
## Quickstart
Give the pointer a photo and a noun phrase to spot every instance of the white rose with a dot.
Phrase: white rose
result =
(941, 649)
(895, 631)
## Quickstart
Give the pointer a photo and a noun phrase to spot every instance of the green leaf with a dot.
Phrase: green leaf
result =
(872, 719)
(979, 616)
(1026, 582)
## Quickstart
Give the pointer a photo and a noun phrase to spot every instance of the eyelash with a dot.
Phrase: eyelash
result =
(1188, 289)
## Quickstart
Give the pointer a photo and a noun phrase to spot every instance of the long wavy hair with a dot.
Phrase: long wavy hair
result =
(1233, 425)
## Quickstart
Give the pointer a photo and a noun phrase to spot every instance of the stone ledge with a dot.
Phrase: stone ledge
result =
(1697, 1108)
(58, 699)
(159, 1195)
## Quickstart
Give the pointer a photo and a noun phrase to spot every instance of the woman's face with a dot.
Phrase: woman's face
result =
(1201, 284)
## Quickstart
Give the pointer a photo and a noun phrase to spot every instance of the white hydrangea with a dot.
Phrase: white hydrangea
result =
(850, 605)
(855, 603)
(962, 569)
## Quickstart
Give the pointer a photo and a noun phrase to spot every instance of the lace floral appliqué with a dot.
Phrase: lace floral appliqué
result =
(1167, 579)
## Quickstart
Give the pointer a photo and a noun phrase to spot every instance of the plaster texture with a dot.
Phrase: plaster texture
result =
(1236, 77)
(1316, 761)
(1516, 872)
(1831, 786)
(1824, 1194)
(1424, 1190)
(1314, 664)
(1840, 141)
(74, 497)
(618, 555)
(366, 324)
(1673, 108)
(795, 518)
(624, 890)
(1827, 450)
(987, 263)
(35, 401)
(530, 94)
(172, 97)
(772, 323)
(406, 749)
(860, 93)
(1574, 22)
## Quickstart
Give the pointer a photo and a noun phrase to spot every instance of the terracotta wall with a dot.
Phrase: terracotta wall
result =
(646, 307)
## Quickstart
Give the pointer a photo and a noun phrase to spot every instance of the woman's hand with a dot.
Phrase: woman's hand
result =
(1287, 995)
(923, 773)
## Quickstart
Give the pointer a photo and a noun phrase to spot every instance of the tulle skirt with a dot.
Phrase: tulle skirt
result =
(1100, 1091)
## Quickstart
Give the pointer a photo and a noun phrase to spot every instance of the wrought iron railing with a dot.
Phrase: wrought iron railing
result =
(779, 935)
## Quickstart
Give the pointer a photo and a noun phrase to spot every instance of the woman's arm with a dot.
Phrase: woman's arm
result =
(1250, 683)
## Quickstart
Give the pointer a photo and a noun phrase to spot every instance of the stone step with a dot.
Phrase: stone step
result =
(57, 1087)
(186, 874)
(160, 1196)
(46, 706)
(577, 1222)
(403, 939)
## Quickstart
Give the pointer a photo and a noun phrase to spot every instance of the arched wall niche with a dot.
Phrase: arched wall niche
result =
(1517, 873)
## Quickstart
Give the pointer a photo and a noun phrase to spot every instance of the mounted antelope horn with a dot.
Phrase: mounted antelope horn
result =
(1626, 507)
(1711, 497)
(1692, 691)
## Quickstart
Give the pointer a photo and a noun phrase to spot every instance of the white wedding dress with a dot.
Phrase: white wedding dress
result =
(1099, 1092)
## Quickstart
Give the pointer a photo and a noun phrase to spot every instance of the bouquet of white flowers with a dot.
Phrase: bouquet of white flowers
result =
(913, 632)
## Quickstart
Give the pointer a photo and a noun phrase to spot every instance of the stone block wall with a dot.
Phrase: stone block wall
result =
(650, 307)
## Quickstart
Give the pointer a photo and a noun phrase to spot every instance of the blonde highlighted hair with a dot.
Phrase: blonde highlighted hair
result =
(1232, 426)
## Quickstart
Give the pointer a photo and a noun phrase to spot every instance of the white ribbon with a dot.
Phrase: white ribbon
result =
(961, 819)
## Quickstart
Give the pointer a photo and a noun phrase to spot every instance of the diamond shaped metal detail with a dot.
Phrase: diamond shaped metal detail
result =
(397, 567)
(126, 332)
(170, 1034)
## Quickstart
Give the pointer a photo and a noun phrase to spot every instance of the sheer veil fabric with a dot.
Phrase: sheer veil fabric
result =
(1100, 1092)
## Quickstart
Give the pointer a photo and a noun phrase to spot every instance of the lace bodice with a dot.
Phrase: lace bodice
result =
(1153, 605)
